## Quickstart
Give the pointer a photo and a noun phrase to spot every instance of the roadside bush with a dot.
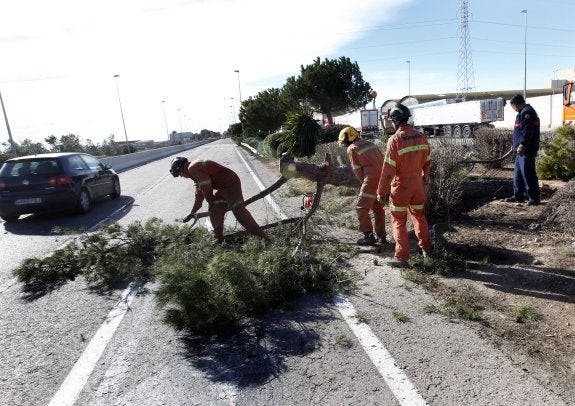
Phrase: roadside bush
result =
(558, 213)
(271, 145)
(253, 142)
(493, 143)
(330, 133)
(557, 160)
(445, 180)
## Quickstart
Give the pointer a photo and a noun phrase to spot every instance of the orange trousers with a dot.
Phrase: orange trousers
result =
(368, 203)
(232, 198)
(408, 195)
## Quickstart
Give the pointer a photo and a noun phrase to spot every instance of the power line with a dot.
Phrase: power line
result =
(534, 27)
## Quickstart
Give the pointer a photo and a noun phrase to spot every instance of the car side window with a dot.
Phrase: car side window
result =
(92, 163)
(77, 164)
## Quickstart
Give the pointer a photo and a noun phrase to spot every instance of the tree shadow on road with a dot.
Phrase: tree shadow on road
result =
(258, 350)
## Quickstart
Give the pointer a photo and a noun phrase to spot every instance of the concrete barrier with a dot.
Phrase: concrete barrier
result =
(128, 161)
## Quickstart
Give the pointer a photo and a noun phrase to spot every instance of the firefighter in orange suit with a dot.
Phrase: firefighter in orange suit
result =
(366, 161)
(403, 184)
(210, 176)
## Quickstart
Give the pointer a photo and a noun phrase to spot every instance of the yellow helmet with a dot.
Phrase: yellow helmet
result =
(348, 134)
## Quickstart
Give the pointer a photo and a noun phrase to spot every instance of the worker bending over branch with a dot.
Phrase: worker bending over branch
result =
(210, 176)
(366, 161)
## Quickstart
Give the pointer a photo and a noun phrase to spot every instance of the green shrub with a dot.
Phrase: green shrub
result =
(557, 160)
(302, 134)
(330, 133)
(271, 145)
(253, 142)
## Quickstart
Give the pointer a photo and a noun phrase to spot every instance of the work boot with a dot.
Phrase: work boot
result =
(382, 240)
(514, 199)
(395, 262)
(532, 203)
(368, 239)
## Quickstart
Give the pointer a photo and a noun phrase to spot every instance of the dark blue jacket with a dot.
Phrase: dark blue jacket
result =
(527, 131)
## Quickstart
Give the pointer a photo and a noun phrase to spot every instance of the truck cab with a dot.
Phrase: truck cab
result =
(569, 103)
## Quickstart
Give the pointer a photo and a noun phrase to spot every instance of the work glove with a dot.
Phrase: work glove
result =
(384, 200)
(189, 217)
(520, 150)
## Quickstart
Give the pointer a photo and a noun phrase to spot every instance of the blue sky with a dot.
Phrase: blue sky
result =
(59, 57)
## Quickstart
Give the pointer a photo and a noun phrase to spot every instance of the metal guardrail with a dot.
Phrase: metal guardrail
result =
(128, 161)
(451, 140)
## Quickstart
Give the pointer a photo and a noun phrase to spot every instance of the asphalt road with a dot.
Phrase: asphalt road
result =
(351, 351)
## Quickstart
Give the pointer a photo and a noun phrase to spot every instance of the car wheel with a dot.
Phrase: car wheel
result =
(84, 201)
(116, 190)
(8, 218)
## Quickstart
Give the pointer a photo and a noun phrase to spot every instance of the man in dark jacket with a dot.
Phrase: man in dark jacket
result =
(525, 146)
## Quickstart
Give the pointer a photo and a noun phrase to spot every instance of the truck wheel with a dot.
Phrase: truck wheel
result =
(466, 131)
(456, 131)
(447, 130)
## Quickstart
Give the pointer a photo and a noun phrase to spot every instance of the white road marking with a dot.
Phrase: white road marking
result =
(78, 376)
(260, 184)
(399, 384)
(396, 380)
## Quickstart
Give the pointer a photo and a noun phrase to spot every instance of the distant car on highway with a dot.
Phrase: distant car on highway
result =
(54, 182)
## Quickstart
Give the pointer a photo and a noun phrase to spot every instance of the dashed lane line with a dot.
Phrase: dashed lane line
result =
(399, 384)
(76, 380)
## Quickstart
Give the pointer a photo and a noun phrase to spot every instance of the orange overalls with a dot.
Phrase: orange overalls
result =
(403, 178)
(209, 176)
(366, 161)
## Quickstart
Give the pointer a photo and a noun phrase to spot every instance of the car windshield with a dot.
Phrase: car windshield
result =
(31, 167)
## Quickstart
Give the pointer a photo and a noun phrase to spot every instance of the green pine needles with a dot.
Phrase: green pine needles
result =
(558, 158)
(302, 134)
(203, 286)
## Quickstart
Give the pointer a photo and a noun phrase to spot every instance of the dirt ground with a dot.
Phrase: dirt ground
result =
(513, 259)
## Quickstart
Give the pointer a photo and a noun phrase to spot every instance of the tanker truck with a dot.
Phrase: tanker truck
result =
(449, 117)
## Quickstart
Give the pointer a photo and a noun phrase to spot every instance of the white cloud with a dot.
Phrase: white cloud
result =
(61, 57)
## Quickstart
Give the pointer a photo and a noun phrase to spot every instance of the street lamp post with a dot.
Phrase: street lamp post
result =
(12, 145)
(180, 119)
(233, 106)
(239, 86)
(165, 119)
(409, 78)
(121, 111)
(240, 92)
(525, 58)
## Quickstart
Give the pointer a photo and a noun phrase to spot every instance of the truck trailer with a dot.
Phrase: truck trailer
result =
(449, 117)
(369, 121)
